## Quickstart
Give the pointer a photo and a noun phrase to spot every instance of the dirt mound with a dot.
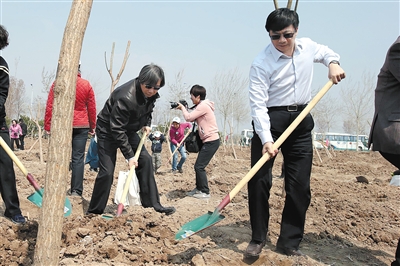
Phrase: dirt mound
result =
(348, 222)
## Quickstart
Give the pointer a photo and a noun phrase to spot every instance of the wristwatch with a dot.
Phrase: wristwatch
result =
(335, 62)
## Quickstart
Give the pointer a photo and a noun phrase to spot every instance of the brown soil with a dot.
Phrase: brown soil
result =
(348, 222)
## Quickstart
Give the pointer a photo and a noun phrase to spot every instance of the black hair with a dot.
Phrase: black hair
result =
(282, 18)
(3, 37)
(151, 74)
(197, 90)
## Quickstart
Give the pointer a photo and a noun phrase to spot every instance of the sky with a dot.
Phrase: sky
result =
(201, 38)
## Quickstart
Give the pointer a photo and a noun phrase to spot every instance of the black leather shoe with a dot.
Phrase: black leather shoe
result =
(254, 249)
(166, 210)
(291, 252)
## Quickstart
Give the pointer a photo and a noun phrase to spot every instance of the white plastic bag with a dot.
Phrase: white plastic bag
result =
(133, 196)
(395, 181)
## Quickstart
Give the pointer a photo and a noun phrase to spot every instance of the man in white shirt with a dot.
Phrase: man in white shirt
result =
(280, 88)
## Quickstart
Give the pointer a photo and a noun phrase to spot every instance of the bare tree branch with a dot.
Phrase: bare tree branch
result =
(234, 104)
(36, 119)
(325, 113)
(179, 90)
(276, 4)
(289, 4)
(115, 81)
(47, 80)
(15, 100)
(358, 103)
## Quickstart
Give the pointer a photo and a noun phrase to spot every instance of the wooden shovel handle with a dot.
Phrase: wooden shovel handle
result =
(277, 144)
(180, 143)
(130, 175)
(15, 159)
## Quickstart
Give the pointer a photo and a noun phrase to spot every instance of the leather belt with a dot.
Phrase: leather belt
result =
(288, 108)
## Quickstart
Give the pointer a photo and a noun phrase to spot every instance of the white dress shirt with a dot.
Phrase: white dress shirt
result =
(280, 80)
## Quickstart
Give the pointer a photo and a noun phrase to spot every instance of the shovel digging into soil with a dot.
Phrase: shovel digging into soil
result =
(132, 173)
(211, 218)
(37, 197)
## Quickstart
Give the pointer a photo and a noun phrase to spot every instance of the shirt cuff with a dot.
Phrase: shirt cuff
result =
(265, 137)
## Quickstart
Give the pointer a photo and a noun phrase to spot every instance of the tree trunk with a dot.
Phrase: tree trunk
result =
(51, 217)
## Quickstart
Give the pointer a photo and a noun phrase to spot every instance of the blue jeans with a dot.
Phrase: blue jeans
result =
(182, 151)
(79, 138)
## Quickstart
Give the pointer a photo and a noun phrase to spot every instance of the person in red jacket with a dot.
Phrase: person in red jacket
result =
(84, 122)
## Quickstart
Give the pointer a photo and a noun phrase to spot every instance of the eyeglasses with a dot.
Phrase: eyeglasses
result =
(151, 87)
(285, 35)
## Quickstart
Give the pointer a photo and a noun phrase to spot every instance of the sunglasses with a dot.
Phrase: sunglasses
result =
(152, 87)
(285, 35)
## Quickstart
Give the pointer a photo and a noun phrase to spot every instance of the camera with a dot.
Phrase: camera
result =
(175, 104)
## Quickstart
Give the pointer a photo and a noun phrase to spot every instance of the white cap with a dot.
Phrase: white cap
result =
(157, 134)
(176, 119)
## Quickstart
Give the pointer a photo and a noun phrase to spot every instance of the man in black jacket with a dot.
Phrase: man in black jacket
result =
(8, 188)
(128, 110)
(384, 134)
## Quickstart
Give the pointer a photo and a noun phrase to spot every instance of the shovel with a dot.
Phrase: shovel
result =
(180, 143)
(131, 173)
(129, 178)
(37, 197)
(212, 218)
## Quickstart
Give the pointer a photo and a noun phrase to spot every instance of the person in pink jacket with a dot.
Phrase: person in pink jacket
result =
(15, 132)
(176, 134)
(84, 122)
(203, 114)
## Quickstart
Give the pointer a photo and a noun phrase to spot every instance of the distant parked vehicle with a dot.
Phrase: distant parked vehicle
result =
(341, 141)
(246, 136)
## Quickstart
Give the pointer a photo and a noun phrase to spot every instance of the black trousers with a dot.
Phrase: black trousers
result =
(8, 188)
(16, 141)
(395, 160)
(206, 153)
(392, 158)
(22, 142)
(297, 153)
(397, 256)
(107, 151)
(79, 139)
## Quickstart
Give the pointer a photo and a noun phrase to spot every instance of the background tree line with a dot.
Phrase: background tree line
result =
(353, 108)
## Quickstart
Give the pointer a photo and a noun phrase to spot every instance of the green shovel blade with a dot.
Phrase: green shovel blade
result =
(37, 199)
(108, 216)
(199, 224)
